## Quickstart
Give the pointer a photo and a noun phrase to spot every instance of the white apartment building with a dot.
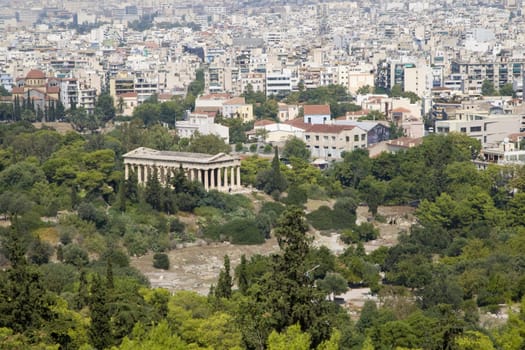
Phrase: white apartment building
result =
(490, 129)
(279, 83)
(204, 125)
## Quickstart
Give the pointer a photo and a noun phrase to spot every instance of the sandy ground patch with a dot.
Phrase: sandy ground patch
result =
(196, 266)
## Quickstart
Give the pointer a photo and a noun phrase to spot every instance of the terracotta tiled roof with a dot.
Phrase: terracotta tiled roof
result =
(235, 101)
(316, 109)
(264, 122)
(222, 96)
(328, 129)
(516, 136)
(35, 74)
(297, 122)
(53, 89)
(400, 110)
(165, 97)
(128, 95)
(18, 90)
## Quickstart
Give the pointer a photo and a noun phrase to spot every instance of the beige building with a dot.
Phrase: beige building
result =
(221, 172)
(237, 108)
(330, 141)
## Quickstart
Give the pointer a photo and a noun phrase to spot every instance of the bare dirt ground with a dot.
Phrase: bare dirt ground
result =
(398, 219)
(196, 266)
(60, 127)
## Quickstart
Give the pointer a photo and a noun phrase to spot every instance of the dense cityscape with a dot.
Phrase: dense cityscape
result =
(262, 174)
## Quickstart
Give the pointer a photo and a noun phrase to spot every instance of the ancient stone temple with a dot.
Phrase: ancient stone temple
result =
(221, 171)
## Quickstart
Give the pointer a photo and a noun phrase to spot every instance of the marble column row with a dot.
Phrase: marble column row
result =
(222, 178)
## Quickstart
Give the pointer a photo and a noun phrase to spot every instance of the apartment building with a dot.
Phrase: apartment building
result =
(330, 141)
(472, 74)
(490, 129)
(237, 108)
(204, 125)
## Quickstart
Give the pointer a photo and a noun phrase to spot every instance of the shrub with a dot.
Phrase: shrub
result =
(237, 231)
(339, 218)
(161, 261)
(362, 233)
(39, 252)
(75, 255)
(176, 225)
(253, 148)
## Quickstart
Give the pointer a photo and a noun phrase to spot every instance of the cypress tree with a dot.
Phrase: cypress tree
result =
(224, 285)
(242, 276)
(100, 328)
(154, 191)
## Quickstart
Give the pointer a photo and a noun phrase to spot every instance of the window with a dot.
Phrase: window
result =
(333, 138)
(463, 129)
(316, 137)
(307, 137)
(475, 128)
(325, 138)
(348, 139)
(356, 138)
(363, 137)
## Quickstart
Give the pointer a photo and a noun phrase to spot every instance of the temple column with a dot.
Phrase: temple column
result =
(238, 176)
(206, 179)
(219, 178)
(140, 173)
(212, 176)
(126, 171)
(232, 177)
(145, 174)
(225, 177)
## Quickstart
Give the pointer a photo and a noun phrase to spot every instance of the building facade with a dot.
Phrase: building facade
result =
(220, 172)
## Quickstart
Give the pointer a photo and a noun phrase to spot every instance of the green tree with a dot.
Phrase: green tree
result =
(487, 88)
(507, 90)
(272, 181)
(286, 295)
(365, 89)
(292, 338)
(224, 284)
(105, 107)
(153, 191)
(209, 144)
(373, 192)
(296, 147)
(241, 274)
(396, 91)
(100, 328)
(333, 284)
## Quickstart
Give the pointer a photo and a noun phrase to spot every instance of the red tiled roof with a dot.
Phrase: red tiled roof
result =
(264, 122)
(316, 109)
(18, 90)
(297, 122)
(235, 101)
(516, 136)
(222, 96)
(165, 97)
(35, 74)
(400, 110)
(53, 89)
(327, 128)
(128, 94)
